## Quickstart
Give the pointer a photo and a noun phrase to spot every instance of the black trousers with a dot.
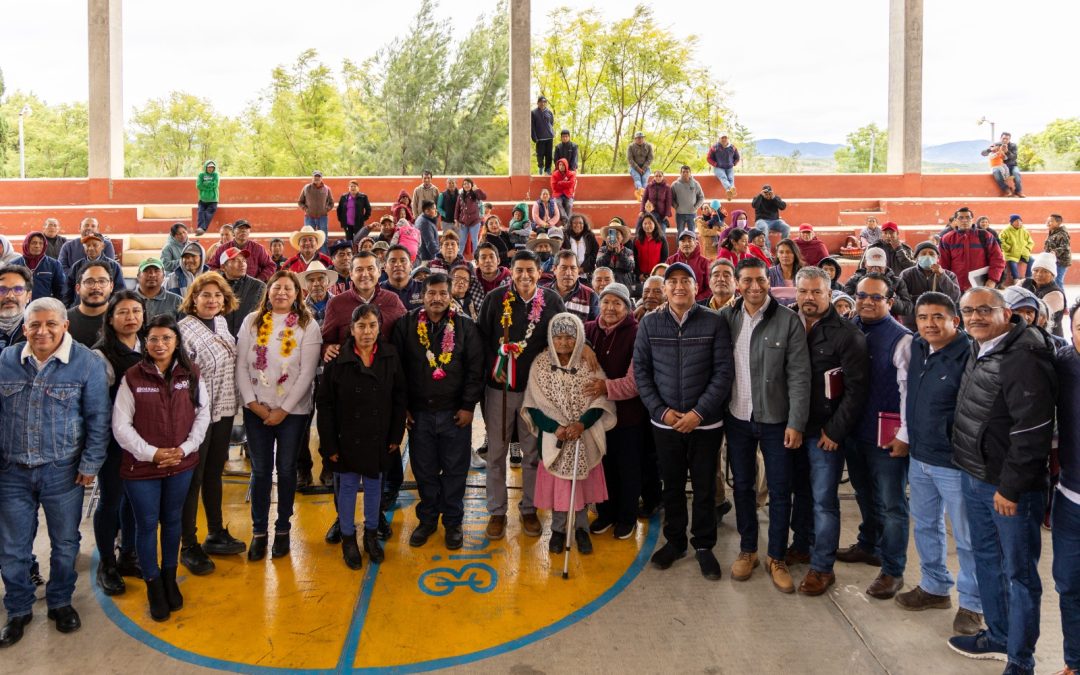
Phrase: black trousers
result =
(543, 155)
(213, 453)
(650, 470)
(439, 455)
(697, 454)
(622, 473)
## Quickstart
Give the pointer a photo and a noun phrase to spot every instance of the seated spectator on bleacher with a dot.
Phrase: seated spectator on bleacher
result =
(723, 157)
(739, 220)
(150, 287)
(834, 270)
(277, 252)
(73, 251)
(259, 264)
(1057, 242)
(926, 276)
(1016, 246)
(871, 234)
(93, 246)
(566, 149)
(812, 249)
(615, 255)
(545, 212)
(48, 274)
(307, 243)
(639, 155)
(1045, 287)
(54, 240)
(174, 246)
(876, 260)
(191, 266)
(899, 254)
(767, 206)
(1003, 166)
(689, 253)
(448, 256)
(580, 239)
(564, 186)
(968, 252)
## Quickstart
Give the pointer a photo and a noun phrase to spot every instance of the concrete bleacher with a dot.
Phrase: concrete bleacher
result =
(137, 212)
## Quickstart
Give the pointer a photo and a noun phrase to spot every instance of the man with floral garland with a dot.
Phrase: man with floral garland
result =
(443, 358)
(521, 310)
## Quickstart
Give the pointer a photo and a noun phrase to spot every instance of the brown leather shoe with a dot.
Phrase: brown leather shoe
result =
(496, 527)
(885, 587)
(917, 600)
(793, 557)
(854, 554)
(816, 583)
(781, 577)
(967, 622)
(744, 566)
(530, 525)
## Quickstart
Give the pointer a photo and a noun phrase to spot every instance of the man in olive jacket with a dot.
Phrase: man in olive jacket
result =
(442, 399)
(1001, 441)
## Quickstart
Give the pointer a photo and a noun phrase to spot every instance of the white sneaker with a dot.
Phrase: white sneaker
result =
(477, 462)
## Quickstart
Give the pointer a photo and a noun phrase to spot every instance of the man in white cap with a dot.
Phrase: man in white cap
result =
(316, 200)
(248, 290)
(639, 155)
(876, 261)
(307, 243)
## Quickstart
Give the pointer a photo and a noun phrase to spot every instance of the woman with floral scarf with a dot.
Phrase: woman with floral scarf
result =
(562, 416)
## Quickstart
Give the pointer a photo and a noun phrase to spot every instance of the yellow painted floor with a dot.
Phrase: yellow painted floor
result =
(422, 608)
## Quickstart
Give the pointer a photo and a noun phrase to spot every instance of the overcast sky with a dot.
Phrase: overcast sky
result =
(796, 70)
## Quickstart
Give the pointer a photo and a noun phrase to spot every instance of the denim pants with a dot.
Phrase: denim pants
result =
(826, 468)
(439, 451)
(622, 474)
(1014, 268)
(346, 487)
(880, 484)
(206, 214)
(725, 176)
(22, 490)
(113, 512)
(696, 453)
(206, 480)
(1007, 550)
(743, 439)
(641, 178)
(320, 223)
(469, 234)
(261, 444)
(158, 501)
(1066, 533)
(935, 491)
(566, 208)
(1060, 278)
(777, 225)
(1001, 173)
(683, 221)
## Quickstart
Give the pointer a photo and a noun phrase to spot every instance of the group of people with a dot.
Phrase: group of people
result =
(609, 371)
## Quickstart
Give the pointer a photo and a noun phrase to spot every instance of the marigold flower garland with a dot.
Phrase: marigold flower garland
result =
(506, 363)
(447, 345)
(262, 344)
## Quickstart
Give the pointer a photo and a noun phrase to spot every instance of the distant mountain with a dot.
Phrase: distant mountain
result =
(957, 152)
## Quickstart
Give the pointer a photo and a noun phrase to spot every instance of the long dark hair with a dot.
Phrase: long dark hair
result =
(796, 261)
(299, 307)
(180, 355)
(642, 234)
(109, 342)
(732, 237)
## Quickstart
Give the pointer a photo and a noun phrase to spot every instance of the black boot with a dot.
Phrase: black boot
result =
(385, 531)
(222, 543)
(172, 591)
(333, 535)
(281, 547)
(159, 604)
(109, 579)
(350, 551)
(127, 563)
(373, 547)
(257, 548)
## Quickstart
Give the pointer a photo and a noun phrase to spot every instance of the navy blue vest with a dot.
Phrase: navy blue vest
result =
(884, 394)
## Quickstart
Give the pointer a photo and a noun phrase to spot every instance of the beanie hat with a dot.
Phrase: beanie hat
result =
(1046, 261)
(926, 245)
(1014, 217)
(618, 290)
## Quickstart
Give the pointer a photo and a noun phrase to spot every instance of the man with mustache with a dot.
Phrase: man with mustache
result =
(93, 287)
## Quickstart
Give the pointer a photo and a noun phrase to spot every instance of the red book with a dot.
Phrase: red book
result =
(834, 383)
(887, 426)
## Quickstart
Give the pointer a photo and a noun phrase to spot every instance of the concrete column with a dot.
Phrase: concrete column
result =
(106, 104)
(905, 86)
(520, 85)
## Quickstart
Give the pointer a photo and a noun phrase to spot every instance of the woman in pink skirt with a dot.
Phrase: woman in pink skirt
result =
(565, 420)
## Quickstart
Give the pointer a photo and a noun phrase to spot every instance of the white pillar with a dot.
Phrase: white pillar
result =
(520, 85)
(106, 105)
(905, 86)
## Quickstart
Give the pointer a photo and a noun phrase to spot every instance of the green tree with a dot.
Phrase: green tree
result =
(174, 135)
(855, 156)
(56, 138)
(1056, 147)
(4, 133)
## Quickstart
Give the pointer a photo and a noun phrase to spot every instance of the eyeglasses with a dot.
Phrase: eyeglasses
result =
(12, 290)
(95, 282)
(161, 340)
(876, 297)
(982, 310)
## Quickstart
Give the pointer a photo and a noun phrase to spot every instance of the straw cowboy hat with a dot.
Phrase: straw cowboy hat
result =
(543, 238)
(307, 231)
(621, 229)
(317, 267)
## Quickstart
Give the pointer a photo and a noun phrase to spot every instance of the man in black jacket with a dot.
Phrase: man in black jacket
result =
(1001, 441)
(543, 134)
(835, 344)
(444, 388)
(566, 149)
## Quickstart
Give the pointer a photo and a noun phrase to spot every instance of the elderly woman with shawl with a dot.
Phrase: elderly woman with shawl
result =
(561, 415)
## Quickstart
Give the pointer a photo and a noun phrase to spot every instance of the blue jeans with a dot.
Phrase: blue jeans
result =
(22, 491)
(439, 452)
(1000, 173)
(826, 468)
(641, 178)
(743, 439)
(1014, 268)
(206, 214)
(1066, 532)
(320, 223)
(777, 225)
(1007, 550)
(158, 501)
(725, 176)
(566, 208)
(880, 484)
(935, 491)
(261, 442)
(683, 221)
(113, 513)
(470, 233)
(347, 486)
(1060, 278)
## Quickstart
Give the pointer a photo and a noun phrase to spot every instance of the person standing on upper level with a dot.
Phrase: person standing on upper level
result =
(542, 126)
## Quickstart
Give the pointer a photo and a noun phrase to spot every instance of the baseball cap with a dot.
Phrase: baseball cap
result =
(890, 225)
(679, 267)
(316, 173)
(639, 134)
(806, 227)
(93, 235)
(230, 253)
(151, 262)
(192, 249)
(875, 257)
(1018, 297)
(241, 223)
(688, 233)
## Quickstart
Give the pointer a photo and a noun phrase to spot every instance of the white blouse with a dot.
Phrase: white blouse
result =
(294, 395)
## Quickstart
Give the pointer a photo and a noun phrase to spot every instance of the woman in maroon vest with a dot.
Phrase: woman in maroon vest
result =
(159, 419)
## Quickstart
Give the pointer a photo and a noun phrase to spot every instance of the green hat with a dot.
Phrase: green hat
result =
(151, 262)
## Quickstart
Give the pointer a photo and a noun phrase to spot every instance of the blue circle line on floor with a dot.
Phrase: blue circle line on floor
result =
(356, 626)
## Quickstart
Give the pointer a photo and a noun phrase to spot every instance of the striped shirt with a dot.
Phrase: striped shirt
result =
(742, 395)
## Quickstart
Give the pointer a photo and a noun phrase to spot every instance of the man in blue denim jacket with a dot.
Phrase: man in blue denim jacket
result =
(54, 401)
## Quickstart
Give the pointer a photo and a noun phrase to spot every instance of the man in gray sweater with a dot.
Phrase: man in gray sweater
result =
(316, 202)
(687, 197)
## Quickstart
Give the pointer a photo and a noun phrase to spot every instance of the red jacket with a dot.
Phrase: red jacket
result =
(964, 251)
(297, 264)
(563, 180)
(259, 263)
(338, 320)
(735, 258)
(813, 251)
(700, 265)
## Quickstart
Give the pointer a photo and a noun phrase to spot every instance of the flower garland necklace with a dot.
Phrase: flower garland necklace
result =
(506, 362)
(262, 344)
(447, 345)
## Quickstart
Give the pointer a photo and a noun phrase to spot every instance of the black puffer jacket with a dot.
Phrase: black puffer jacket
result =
(1005, 412)
(835, 342)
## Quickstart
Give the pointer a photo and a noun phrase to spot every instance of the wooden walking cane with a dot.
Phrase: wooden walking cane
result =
(506, 387)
